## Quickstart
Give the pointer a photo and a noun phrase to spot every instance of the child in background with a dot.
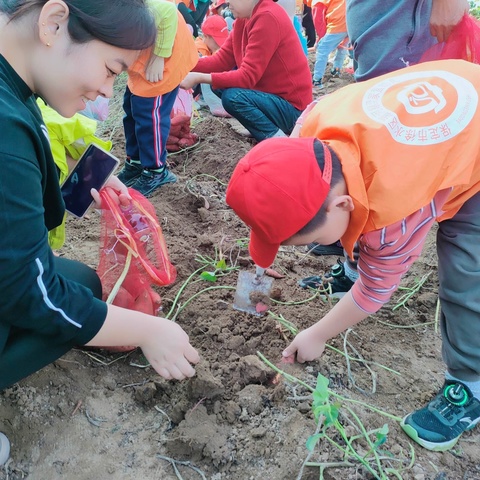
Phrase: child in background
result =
(289, 6)
(149, 97)
(377, 165)
(221, 8)
(215, 32)
(331, 27)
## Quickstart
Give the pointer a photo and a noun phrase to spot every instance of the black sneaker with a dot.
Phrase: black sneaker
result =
(332, 249)
(130, 173)
(4, 449)
(149, 181)
(318, 84)
(335, 284)
(335, 72)
(438, 425)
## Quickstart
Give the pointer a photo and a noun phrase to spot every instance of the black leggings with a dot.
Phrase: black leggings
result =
(27, 351)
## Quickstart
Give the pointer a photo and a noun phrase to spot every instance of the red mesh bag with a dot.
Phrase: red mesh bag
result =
(133, 254)
(463, 43)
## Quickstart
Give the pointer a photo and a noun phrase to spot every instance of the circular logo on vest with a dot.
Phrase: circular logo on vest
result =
(422, 107)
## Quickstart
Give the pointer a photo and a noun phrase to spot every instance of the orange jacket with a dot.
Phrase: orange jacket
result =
(184, 57)
(401, 138)
(335, 14)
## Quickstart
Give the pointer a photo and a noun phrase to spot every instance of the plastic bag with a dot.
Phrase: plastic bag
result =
(133, 254)
(96, 109)
(463, 43)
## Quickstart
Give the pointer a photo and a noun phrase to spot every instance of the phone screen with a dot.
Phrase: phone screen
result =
(91, 171)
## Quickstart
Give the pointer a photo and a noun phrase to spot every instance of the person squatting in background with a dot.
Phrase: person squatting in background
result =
(153, 82)
(50, 304)
(260, 73)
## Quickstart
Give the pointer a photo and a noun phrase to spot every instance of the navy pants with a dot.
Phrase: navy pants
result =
(147, 126)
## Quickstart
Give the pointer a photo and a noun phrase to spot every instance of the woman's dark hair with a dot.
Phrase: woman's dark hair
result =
(125, 24)
(319, 219)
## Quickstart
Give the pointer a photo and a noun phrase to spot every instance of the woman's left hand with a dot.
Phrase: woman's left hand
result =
(117, 191)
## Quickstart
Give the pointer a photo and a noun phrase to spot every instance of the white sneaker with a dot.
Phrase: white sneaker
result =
(4, 449)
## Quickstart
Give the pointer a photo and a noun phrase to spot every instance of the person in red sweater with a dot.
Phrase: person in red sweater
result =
(260, 73)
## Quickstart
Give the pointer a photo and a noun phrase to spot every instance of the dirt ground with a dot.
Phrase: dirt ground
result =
(99, 415)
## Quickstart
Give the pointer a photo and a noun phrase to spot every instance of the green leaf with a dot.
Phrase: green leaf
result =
(209, 276)
(381, 435)
(221, 264)
(322, 388)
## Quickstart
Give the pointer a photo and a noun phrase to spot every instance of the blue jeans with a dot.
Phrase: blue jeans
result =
(262, 114)
(324, 47)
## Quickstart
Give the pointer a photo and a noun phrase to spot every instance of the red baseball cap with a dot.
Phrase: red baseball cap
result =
(276, 189)
(216, 27)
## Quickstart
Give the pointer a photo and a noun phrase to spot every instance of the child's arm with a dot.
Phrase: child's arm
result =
(319, 12)
(166, 18)
(164, 343)
(155, 67)
(310, 343)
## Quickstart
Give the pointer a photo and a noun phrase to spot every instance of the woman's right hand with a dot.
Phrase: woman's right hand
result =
(169, 351)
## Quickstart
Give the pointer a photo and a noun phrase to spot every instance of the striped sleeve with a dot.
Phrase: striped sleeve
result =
(385, 255)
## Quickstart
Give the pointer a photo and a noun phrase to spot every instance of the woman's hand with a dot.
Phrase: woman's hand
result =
(194, 78)
(117, 191)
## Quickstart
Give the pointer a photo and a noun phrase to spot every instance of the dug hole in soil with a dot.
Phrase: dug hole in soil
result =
(99, 415)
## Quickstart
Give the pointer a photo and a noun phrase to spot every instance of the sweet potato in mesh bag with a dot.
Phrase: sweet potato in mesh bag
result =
(133, 255)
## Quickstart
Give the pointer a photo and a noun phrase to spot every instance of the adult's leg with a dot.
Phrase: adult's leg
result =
(459, 290)
(307, 24)
(325, 46)
(199, 14)
(387, 34)
(26, 352)
(262, 114)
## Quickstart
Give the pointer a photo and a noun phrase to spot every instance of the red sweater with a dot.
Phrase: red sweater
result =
(268, 54)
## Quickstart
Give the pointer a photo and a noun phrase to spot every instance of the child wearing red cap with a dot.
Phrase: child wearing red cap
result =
(215, 32)
(378, 164)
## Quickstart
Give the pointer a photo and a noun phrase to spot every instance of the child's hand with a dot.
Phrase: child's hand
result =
(169, 351)
(307, 345)
(154, 70)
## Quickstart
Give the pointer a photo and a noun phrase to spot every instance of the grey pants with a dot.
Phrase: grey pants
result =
(458, 248)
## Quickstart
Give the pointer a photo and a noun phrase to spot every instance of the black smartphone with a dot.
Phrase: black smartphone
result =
(92, 170)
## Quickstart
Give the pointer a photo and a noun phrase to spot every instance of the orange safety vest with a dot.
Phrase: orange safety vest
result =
(184, 57)
(401, 138)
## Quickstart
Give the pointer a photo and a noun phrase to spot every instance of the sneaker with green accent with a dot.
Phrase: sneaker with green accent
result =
(149, 181)
(130, 173)
(334, 283)
(439, 424)
(4, 449)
